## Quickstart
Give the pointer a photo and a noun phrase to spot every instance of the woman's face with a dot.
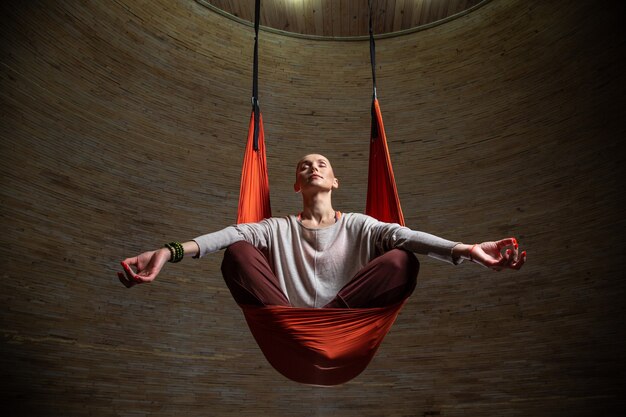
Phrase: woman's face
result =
(315, 172)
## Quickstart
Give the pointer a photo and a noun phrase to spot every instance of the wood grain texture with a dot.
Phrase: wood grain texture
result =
(343, 18)
(122, 127)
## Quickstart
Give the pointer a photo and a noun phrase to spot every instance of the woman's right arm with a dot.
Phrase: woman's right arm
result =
(146, 266)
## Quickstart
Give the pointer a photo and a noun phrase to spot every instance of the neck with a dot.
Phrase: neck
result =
(317, 209)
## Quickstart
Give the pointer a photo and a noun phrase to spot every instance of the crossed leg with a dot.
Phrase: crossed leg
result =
(386, 280)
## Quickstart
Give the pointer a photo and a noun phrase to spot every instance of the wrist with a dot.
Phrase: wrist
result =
(165, 253)
(461, 250)
(172, 254)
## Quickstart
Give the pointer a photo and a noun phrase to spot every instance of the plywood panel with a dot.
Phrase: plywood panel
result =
(295, 16)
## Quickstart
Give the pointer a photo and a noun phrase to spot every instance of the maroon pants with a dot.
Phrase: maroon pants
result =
(386, 280)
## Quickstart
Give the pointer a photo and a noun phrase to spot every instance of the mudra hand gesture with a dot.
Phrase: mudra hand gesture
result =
(498, 255)
(147, 264)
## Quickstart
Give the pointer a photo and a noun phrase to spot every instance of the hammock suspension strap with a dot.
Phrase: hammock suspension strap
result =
(255, 75)
(372, 50)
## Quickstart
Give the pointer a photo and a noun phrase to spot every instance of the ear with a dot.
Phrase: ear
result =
(336, 183)
(296, 187)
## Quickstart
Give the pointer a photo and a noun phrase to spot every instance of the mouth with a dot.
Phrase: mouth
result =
(315, 176)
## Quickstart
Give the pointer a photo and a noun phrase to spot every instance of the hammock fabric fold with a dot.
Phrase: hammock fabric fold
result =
(327, 346)
(383, 202)
(320, 346)
(254, 193)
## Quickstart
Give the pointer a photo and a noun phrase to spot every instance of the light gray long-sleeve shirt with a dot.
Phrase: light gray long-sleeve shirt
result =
(312, 265)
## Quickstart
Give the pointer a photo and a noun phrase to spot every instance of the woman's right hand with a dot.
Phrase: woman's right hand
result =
(148, 265)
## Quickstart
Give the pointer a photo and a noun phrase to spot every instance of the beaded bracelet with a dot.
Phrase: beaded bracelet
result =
(176, 251)
(172, 252)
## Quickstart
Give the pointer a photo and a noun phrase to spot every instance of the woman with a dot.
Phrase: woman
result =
(321, 257)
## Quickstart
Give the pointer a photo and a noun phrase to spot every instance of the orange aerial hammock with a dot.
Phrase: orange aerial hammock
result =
(320, 346)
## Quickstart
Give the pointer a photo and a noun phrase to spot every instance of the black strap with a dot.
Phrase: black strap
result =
(255, 75)
(374, 126)
(372, 51)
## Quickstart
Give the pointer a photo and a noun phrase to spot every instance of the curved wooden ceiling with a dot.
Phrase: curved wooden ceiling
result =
(343, 18)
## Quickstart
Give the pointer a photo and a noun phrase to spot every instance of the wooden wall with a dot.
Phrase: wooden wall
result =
(337, 18)
(122, 127)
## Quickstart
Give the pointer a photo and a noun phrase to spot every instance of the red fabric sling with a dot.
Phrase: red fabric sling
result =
(383, 202)
(311, 345)
(254, 192)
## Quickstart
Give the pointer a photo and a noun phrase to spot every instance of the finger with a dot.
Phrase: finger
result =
(515, 249)
(129, 273)
(131, 261)
(503, 243)
(504, 259)
(510, 246)
(511, 257)
(143, 276)
(515, 263)
(518, 264)
(124, 280)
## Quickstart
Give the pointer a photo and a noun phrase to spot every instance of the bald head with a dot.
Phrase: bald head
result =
(308, 159)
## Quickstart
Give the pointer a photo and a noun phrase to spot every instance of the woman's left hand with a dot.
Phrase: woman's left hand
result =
(498, 255)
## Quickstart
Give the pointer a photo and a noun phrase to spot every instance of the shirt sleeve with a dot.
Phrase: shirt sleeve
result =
(257, 234)
(395, 236)
(426, 244)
